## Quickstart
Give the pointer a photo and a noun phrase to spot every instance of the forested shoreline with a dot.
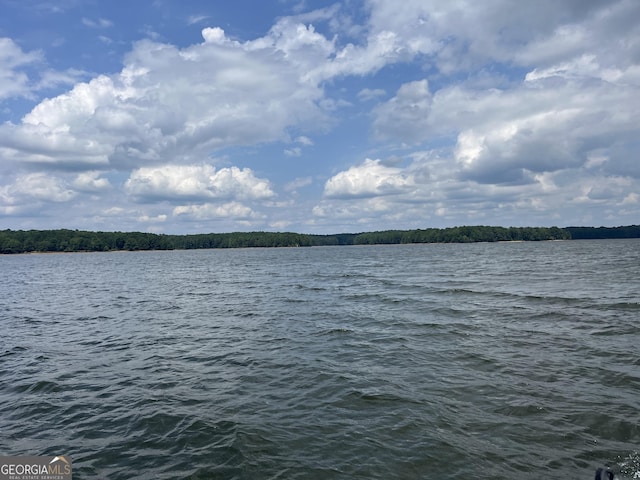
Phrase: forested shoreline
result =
(63, 240)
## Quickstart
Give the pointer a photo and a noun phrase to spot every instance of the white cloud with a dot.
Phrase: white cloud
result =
(35, 187)
(113, 211)
(539, 129)
(382, 48)
(369, 179)
(504, 111)
(197, 182)
(373, 213)
(631, 199)
(370, 94)
(99, 23)
(206, 211)
(302, 140)
(52, 78)
(406, 116)
(193, 19)
(91, 182)
(297, 151)
(298, 183)
(13, 80)
(300, 43)
(154, 219)
(280, 225)
(465, 35)
(442, 198)
(293, 152)
(170, 104)
(559, 118)
(213, 35)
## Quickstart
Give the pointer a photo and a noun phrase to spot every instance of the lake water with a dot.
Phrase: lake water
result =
(477, 361)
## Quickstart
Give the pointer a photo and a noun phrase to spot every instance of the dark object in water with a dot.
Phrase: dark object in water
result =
(604, 473)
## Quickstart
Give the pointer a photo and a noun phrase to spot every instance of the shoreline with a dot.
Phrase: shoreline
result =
(35, 252)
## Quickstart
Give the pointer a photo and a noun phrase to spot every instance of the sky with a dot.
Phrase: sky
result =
(199, 116)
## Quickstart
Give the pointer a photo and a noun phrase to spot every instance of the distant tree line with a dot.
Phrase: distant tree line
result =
(584, 233)
(463, 235)
(24, 241)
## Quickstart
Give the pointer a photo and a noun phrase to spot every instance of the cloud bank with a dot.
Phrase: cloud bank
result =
(465, 112)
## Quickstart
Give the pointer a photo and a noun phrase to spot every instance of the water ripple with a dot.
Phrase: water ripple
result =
(427, 361)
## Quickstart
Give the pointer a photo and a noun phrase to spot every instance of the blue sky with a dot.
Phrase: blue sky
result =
(318, 117)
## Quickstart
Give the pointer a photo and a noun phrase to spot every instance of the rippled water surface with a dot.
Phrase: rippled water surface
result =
(482, 361)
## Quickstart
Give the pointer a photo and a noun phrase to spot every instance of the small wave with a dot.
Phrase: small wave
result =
(310, 288)
(439, 365)
(13, 351)
(522, 411)
(41, 386)
(617, 306)
(335, 331)
(353, 398)
(614, 330)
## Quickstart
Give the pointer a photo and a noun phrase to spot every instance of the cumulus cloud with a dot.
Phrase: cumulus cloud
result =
(538, 128)
(38, 187)
(577, 99)
(213, 35)
(177, 104)
(382, 48)
(197, 182)
(504, 111)
(91, 182)
(428, 191)
(371, 178)
(463, 36)
(206, 211)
